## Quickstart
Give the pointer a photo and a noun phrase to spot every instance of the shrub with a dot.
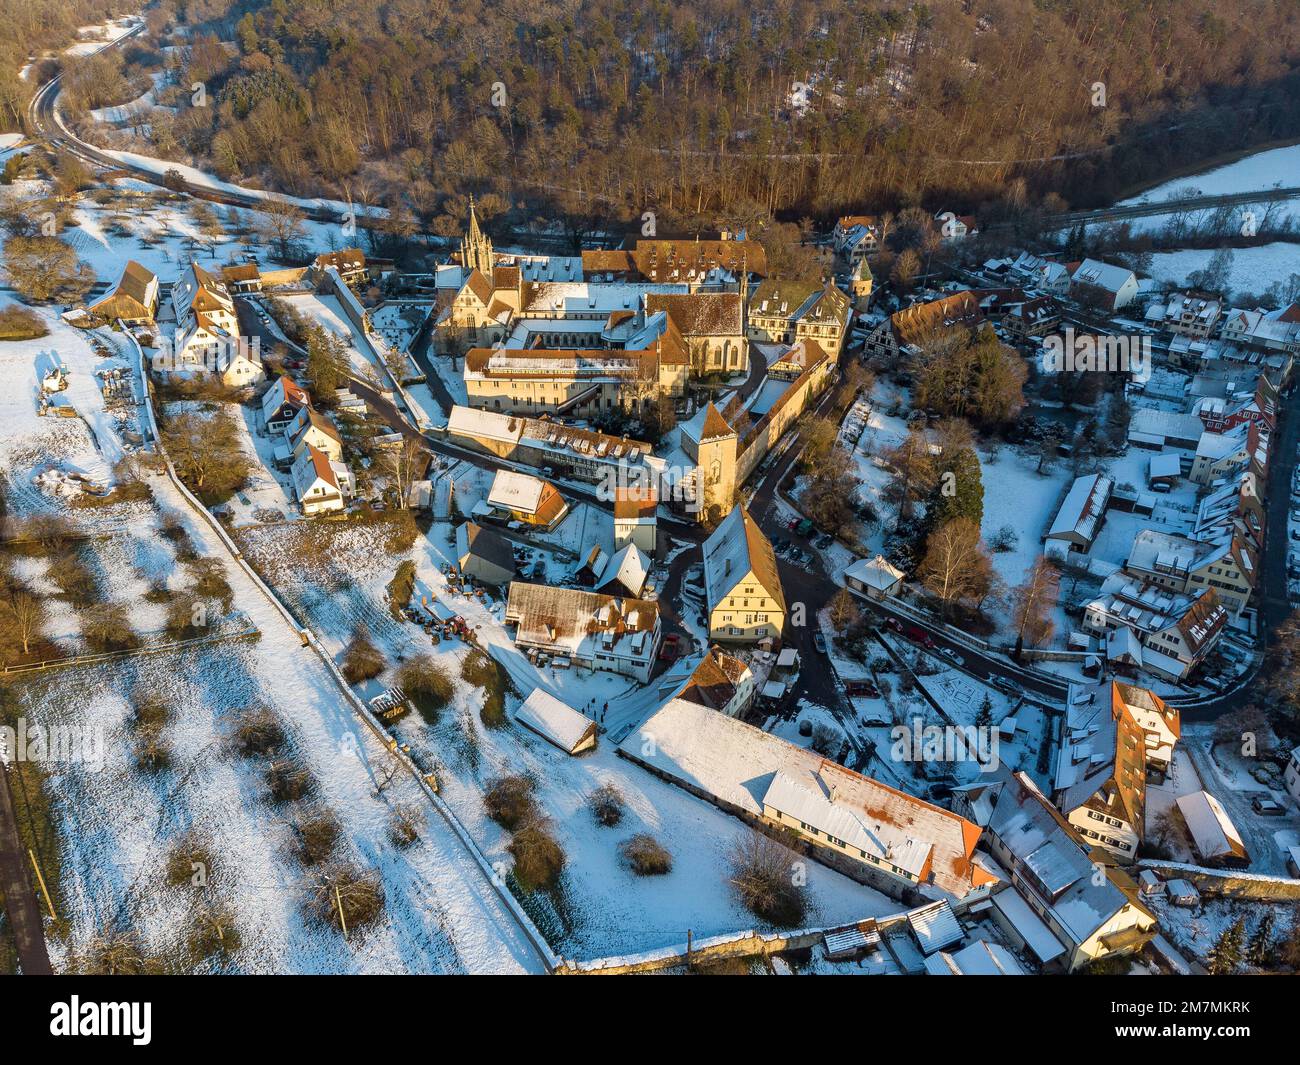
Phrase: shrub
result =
(426, 684)
(359, 894)
(509, 801)
(289, 782)
(607, 804)
(484, 672)
(762, 875)
(190, 857)
(20, 323)
(404, 823)
(210, 581)
(539, 859)
(152, 755)
(106, 627)
(149, 709)
(318, 833)
(646, 855)
(186, 617)
(258, 732)
(362, 660)
(214, 934)
(400, 588)
(70, 574)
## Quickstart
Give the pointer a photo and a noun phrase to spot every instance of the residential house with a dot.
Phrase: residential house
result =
(484, 554)
(239, 364)
(1220, 455)
(1175, 632)
(785, 312)
(242, 277)
(875, 578)
(282, 402)
(133, 300)
(1183, 565)
(350, 263)
(907, 331)
(1033, 318)
(745, 600)
(530, 500)
(1100, 779)
(1272, 331)
(721, 682)
(855, 237)
(310, 428)
(605, 632)
(198, 291)
(893, 841)
(635, 518)
(1190, 314)
(317, 482)
(1067, 904)
(1110, 287)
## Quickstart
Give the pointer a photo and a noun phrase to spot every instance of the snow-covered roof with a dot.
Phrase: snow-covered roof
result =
(629, 567)
(1082, 510)
(1213, 833)
(980, 958)
(1028, 925)
(1054, 856)
(935, 926)
(516, 491)
(739, 765)
(1102, 275)
(878, 573)
(736, 548)
(1166, 464)
(555, 720)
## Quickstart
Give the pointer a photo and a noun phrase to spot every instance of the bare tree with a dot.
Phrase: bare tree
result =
(956, 567)
(1032, 604)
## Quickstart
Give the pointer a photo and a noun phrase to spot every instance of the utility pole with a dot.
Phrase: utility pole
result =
(41, 879)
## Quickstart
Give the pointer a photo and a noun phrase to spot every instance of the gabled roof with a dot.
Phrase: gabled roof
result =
(739, 765)
(703, 314)
(555, 721)
(735, 548)
(486, 544)
(716, 680)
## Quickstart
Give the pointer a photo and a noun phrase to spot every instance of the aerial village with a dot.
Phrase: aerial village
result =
(642, 609)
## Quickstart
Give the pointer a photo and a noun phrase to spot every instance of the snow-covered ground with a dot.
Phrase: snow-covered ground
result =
(1252, 270)
(600, 907)
(1275, 168)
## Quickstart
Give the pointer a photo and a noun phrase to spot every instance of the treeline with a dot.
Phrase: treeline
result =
(611, 108)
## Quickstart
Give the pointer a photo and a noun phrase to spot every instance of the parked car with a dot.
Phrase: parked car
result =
(824, 541)
(671, 648)
(819, 642)
(952, 656)
(1267, 807)
(861, 689)
(804, 527)
(912, 632)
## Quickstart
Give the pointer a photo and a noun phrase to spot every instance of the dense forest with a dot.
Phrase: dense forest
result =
(29, 27)
(714, 110)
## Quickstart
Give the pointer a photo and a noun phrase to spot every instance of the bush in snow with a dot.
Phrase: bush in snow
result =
(646, 855)
(426, 684)
(107, 627)
(318, 833)
(348, 895)
(288, 782)
(362, 660)
(404, 823)
(189, 862)
(484, 672)
(213, 934)
(509, 801)
(400, 588)
(765, 876)
(607, 804)
(539, 860)
(258, 732)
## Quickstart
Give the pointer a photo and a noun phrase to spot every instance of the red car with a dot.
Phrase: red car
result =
(671, 648)
(912, 632)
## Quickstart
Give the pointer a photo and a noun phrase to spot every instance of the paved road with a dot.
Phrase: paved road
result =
(17, 890)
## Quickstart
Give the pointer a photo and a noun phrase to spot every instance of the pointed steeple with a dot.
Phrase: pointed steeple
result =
(475, 247)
